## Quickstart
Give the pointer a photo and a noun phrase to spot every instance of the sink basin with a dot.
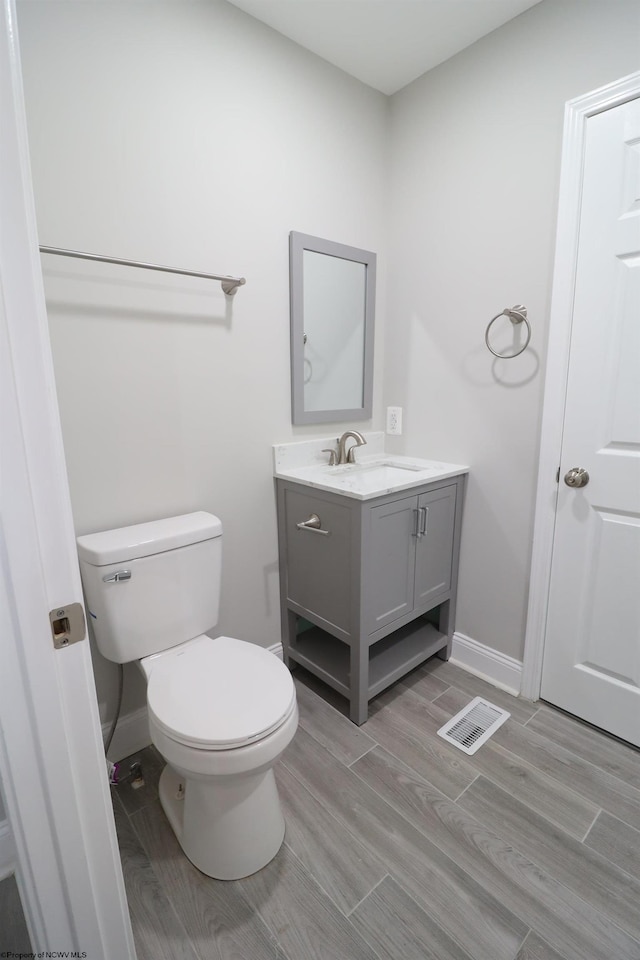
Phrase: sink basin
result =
(372, 466)
(374, 478)
(374, 475)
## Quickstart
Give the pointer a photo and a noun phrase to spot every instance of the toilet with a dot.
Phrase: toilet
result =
(221, 711)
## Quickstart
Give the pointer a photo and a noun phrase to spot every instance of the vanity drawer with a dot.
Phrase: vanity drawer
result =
(318, 570)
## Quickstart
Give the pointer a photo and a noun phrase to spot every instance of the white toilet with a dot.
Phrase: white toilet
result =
(221, 711)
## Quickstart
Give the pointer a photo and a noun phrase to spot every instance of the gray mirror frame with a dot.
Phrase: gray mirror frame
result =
(298, 243)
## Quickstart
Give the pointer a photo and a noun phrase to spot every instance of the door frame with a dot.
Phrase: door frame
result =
(52, 760)
(577, 112)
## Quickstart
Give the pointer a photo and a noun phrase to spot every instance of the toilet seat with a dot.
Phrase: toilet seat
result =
(219, 694)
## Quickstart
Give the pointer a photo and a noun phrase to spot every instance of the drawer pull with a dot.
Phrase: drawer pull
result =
(313, 525)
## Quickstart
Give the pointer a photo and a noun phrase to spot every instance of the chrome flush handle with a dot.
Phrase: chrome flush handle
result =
(118, 577)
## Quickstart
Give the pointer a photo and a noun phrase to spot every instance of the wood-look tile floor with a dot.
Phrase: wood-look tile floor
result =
(14, 936)
(400, 847)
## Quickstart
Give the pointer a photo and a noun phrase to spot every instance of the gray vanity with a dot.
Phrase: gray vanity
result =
(368, 566)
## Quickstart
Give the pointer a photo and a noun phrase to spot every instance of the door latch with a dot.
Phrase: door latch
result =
(67, 625)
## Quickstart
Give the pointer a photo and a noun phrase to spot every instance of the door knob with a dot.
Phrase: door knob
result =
(576, 477)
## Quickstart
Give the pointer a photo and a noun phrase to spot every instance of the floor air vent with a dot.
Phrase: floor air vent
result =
(473, 726)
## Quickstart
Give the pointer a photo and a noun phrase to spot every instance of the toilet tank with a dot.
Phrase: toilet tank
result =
(151, 586)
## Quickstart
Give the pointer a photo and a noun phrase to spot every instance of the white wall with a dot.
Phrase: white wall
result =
(187, 134)
(476, 162)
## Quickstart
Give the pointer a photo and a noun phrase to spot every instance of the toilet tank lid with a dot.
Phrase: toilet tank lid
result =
(145, 539)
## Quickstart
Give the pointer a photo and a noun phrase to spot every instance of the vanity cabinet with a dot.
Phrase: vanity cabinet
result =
(367, 587)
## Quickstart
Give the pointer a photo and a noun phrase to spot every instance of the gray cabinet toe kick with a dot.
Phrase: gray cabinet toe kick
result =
(368, 588)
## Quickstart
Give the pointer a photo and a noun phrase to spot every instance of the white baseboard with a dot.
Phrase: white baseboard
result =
(276, 649)
(132, 735)
(7, 851)
(485, 662)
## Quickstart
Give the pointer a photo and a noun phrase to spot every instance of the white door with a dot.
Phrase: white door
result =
(51, 757)
(591, 663)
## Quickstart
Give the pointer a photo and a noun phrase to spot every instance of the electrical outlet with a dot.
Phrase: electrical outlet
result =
(394, 421)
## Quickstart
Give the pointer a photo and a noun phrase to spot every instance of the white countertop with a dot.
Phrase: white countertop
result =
(373, 475)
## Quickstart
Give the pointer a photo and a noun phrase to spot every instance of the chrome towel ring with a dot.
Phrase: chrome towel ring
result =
(516, 314)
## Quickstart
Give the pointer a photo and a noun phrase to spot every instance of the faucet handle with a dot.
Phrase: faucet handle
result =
(332, 456)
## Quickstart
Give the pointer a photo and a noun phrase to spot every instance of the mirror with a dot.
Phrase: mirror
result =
(332, 313)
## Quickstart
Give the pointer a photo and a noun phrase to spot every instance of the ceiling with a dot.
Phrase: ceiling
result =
(384, 43)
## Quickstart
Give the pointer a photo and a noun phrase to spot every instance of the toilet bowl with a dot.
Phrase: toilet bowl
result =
(221, 710)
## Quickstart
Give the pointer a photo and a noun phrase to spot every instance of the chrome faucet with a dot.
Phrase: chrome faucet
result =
(343, 456)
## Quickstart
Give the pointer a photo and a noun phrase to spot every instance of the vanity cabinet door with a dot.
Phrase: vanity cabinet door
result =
(390, 562)
(434, 545)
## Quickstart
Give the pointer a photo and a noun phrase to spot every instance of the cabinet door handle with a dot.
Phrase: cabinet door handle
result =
(421, 522)
(313, 524)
